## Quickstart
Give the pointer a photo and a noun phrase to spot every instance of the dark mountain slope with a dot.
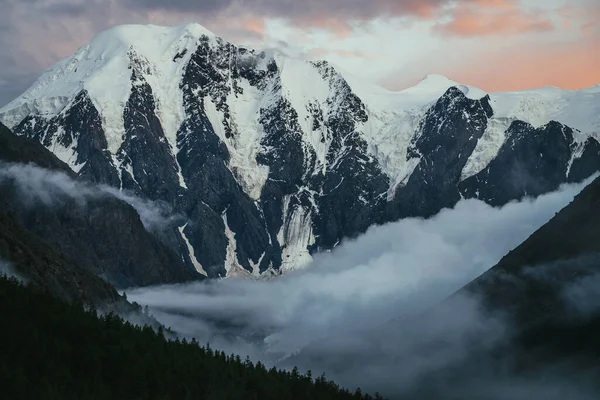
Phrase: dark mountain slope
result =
(533, 161)
(52, 350)
(448, 136)
(104, 235)
(41, 265)
(564, 250)
(538, 319)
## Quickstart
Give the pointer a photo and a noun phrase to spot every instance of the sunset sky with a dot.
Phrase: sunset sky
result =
(493, 44)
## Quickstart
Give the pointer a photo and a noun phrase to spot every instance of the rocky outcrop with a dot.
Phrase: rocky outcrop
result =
(447, 136)
(532, 162)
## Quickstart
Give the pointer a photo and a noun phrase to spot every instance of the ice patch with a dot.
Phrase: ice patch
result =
(487, 147)
(232, 266)
(295, 236)
(578, 109)
(191, 253)
(67, 154)
(295, 87)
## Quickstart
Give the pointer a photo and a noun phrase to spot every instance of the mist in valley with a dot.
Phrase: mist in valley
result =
(350, 313)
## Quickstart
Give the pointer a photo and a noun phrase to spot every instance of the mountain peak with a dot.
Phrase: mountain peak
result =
(101, 68)
(435, 82)
(436, 85)
(132, 34)
(432, 83)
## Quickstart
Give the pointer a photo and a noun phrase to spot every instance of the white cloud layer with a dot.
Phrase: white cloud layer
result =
(35, 185)
(343, 315)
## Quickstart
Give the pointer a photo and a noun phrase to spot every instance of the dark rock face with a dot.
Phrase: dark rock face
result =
(214, 194)
(80, 127)
(352, 190)
(447, 136)
(587, 164)
(531, 162)
(145, 150)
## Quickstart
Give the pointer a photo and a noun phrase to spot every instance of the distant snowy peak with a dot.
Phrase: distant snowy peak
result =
(436, 85)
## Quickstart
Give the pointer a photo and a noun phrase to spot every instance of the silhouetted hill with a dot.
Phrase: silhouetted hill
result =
(105, 235)
(52, 350)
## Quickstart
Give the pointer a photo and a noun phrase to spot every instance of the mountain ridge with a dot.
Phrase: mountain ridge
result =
(273, 158)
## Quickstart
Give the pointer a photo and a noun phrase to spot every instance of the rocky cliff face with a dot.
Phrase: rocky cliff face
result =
(447, 137)
(533, 161)
(270, 159)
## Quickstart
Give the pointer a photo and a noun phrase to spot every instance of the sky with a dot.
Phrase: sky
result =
(493, 44)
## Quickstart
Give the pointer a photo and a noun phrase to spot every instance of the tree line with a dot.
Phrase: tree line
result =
(50, 349)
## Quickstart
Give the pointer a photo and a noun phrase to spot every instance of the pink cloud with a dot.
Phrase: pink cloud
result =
(320, 53)
(493, 17)
(571, 66)
(585, 17)
(338, 27)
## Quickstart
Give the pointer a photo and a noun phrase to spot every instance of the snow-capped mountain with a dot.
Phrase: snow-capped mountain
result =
(272, 158)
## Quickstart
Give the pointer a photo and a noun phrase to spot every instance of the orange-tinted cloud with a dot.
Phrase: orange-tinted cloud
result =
(572, 66)
(254, 24)
(493, 17)
(320, 52)
(338, 27)
(587, 18)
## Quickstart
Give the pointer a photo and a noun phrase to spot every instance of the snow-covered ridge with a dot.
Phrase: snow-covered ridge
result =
(102, 67)
(332, 126)
(395, 115)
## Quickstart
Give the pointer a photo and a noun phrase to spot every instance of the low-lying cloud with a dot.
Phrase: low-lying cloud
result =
(6, 269)
(348, 313)
(35, 185)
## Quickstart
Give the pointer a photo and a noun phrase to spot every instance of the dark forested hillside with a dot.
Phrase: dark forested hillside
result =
(529, 282)
(52, 350)
(542, 302)
(106, 237)
(40, 264)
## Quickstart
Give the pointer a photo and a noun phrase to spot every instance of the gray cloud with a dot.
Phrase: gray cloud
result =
(355, 9)
(6, 269)
(202, 6)
(37, 185)
(347, 314)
